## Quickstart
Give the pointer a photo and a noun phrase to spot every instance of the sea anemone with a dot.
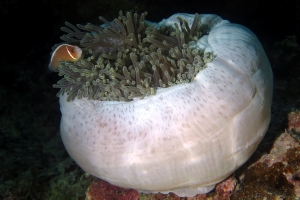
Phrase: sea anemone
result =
(174, 106)
(129, 58)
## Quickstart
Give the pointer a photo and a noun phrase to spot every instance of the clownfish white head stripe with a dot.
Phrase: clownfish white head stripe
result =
(64, 52)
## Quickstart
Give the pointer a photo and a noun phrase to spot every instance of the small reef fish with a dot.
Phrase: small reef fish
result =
(64, 52)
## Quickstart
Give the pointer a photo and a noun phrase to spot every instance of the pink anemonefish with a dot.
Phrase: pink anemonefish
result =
(64, 52)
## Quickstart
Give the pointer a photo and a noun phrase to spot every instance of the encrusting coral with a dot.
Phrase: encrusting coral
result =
(128, 58)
